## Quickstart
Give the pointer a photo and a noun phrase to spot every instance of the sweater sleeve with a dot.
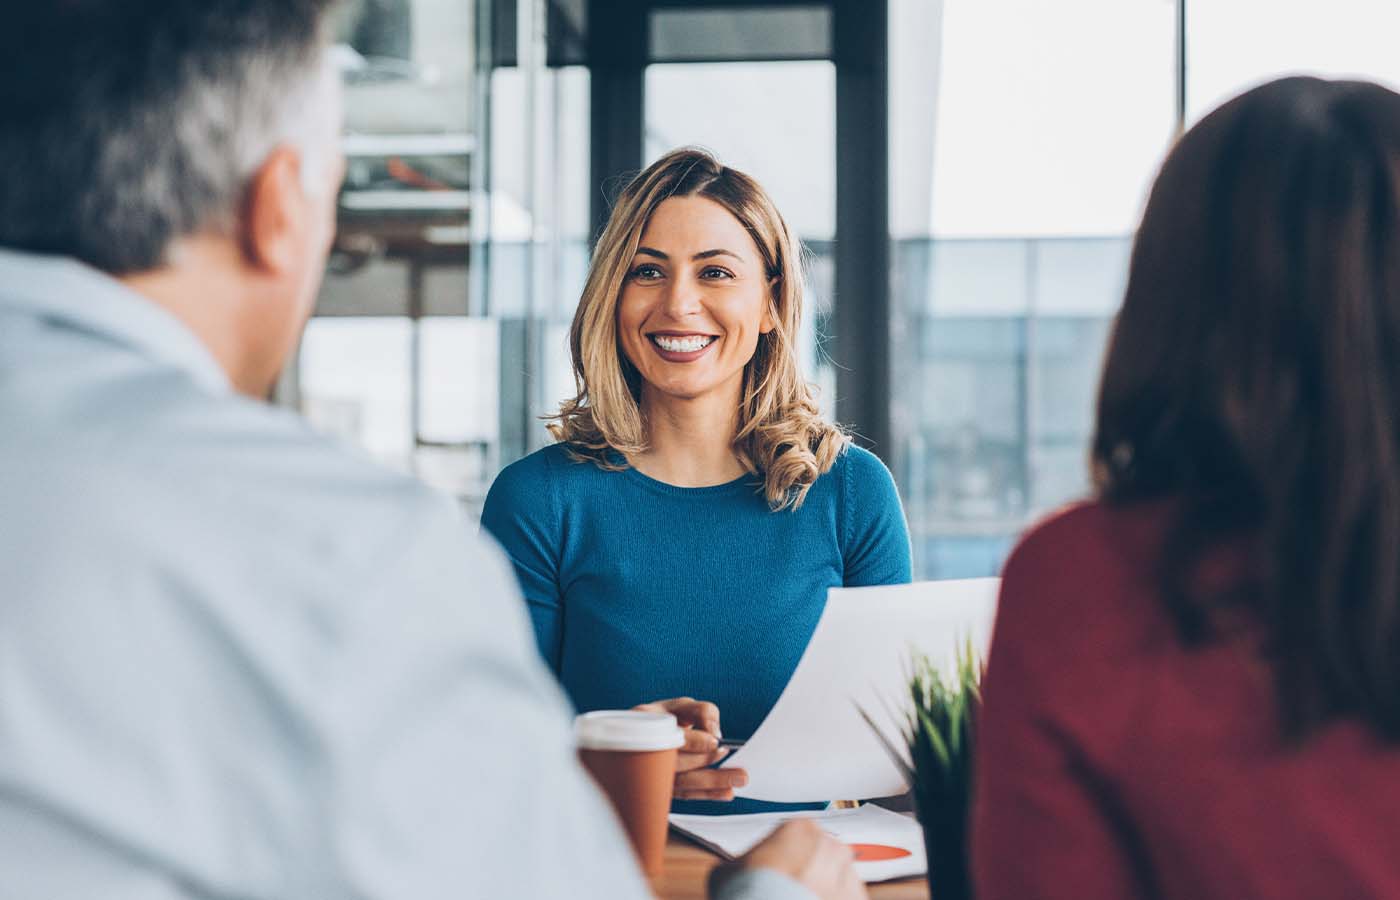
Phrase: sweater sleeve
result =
(875, 539)
(522, 513)
(1045, 825)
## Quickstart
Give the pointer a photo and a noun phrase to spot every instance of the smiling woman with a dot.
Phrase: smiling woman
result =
(690, 321)
(680, 538)
(691, 243)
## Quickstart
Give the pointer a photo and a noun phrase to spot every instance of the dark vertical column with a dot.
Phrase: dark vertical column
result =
(617, 54)
(860, 344)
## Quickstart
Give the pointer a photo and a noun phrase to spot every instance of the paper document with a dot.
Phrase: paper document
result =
(887, 844)
(814, 745)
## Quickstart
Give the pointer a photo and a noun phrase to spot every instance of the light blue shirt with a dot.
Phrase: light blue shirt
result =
(237, 660)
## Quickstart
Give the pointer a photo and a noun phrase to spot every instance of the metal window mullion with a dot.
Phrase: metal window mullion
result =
(531, 51)
(861, 342)
(1030, 375)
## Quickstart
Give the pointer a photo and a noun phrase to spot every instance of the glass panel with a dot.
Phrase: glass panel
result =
(1012, 206)
(749, 34)
(777, 122)
(458, 381)
(535, 248)
(1235, 45)
(401, 250)
(354, 376)
(438, 339)
(458, 426)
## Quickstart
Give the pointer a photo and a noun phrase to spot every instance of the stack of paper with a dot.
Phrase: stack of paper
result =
(887, 844)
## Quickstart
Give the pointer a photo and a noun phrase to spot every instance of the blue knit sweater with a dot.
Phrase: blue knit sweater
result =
(640, 590)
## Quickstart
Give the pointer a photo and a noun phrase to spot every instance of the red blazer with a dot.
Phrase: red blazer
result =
(1112, 762)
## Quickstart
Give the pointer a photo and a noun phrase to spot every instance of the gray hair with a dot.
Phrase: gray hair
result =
(136, 124)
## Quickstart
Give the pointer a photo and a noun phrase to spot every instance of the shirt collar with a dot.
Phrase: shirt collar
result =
(63, 289)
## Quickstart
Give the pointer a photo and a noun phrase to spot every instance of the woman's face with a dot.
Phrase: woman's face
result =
(694, 302)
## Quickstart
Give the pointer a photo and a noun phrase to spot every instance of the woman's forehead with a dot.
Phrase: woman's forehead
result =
(684, 226)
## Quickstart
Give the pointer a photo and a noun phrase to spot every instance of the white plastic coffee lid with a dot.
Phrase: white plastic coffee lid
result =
(625, 729)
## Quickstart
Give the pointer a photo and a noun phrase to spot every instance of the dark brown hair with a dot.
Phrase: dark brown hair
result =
(1253, 377)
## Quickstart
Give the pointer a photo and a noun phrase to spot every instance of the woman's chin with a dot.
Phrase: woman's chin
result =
(682, 391)
(678, 394)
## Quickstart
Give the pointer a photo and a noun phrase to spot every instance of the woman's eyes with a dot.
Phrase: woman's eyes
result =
(650, 272)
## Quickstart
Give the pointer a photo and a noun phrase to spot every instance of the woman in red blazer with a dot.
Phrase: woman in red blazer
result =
(1194, 685)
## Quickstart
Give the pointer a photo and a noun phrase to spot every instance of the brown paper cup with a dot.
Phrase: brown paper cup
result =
(633, 760)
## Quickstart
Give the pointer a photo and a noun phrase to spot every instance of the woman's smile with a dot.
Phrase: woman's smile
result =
(681, 347)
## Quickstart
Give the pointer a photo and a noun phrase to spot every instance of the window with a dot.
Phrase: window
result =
(438, 337)
(1021, 150)
(1236, 45)
(1023, 136)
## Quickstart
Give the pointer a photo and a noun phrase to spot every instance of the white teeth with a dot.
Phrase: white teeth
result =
(687, 344)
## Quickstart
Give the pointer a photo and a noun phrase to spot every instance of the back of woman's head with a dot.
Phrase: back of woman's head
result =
(1254, 377)
(780, 431)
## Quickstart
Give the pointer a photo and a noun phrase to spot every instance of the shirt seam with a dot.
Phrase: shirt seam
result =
(844, 462)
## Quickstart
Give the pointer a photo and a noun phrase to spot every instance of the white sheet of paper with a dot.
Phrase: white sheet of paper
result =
(814, 745)
(732, 836)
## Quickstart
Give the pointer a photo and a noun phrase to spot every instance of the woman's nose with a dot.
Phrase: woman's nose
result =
(682, 297)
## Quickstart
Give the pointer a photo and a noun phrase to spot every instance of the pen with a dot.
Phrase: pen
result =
(731, 743)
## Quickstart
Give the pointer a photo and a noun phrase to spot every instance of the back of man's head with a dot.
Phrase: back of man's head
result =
(127, 125)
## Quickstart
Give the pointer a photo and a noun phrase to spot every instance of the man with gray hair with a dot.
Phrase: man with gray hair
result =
(236, 660)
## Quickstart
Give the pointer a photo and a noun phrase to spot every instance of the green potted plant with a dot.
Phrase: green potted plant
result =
(939, 731)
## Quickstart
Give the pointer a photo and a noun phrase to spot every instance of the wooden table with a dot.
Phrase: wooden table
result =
(688, 865)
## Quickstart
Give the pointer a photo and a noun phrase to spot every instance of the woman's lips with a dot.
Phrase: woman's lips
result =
(676, 355)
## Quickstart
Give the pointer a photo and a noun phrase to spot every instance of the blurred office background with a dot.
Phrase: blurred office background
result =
(966, 175)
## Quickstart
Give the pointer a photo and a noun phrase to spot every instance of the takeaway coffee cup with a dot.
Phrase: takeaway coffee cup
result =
(632, 756)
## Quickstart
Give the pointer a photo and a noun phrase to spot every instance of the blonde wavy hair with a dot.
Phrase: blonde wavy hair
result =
(781, 433)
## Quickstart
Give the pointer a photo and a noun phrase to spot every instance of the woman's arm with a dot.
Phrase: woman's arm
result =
(523, 514)
(875, 538)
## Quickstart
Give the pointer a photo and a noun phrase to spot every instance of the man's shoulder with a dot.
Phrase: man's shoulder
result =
(237, 439)
(275, 465)
(154, 444)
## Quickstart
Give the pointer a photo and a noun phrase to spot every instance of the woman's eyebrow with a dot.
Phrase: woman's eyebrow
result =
(703, 254)
(706, 254)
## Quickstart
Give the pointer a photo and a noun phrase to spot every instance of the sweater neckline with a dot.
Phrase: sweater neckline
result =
(745, 481)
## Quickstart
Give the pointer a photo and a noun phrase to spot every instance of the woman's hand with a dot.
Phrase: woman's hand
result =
(701, 723)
